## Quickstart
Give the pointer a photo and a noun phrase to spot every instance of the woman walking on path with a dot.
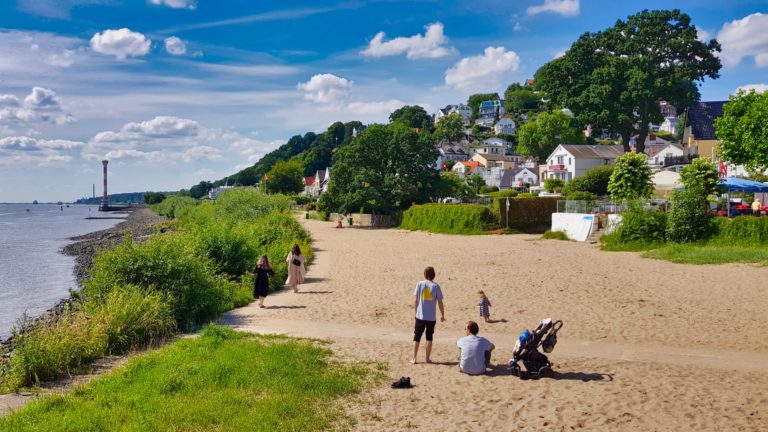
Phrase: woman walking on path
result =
(296, 270)
(427, 296)
(261, 279)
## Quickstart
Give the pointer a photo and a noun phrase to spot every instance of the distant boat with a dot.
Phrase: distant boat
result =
(34, 202)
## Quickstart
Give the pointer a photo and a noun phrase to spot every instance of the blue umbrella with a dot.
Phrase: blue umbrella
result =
(735, 184)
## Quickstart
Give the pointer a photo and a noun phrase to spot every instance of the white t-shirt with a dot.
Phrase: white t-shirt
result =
(427, 293)
(473, 348)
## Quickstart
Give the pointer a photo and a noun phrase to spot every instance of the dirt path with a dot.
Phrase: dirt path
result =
(644, 368)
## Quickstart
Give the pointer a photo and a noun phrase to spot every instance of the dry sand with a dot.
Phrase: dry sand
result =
(647, 345)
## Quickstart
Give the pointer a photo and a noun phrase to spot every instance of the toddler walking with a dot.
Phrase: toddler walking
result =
(485, 306)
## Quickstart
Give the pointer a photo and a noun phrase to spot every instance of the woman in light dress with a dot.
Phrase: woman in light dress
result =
(296, 270)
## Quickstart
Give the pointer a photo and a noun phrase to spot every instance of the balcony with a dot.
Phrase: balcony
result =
(557, 167)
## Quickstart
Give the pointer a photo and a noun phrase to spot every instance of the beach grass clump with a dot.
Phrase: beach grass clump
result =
(249, 204)
(449, 218)
(222, 380)
(165, 263)
(126, 319)
(173, 205)
(709, 253)
(555, 235)
(741, 230)
(640, 225)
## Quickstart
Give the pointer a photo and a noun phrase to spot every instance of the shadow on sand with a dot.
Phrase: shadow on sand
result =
(286, 307)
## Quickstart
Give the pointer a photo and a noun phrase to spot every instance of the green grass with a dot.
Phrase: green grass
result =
(693, 253)
(555, 235)
(221, 381)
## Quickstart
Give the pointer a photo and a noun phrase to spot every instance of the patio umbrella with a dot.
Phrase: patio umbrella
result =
(735, 184)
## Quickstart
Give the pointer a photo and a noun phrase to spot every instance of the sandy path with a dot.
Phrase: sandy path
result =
(648, 345)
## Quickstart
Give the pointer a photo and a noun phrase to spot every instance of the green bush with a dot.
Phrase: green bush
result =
(638, 224)
(526, 212)
(555, 235)
(580, 196)
(248, 204)
(689, 219)
(229, 247)
(594, 180)
(527, 195)
(506, 193)
(553, 184)
(488, 189)
(169, 264)
(741, 230)
(449, 218)
(172, 205)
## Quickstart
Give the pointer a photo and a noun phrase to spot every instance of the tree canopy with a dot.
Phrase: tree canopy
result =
(614, 79)
(285, 178)
(540, 136)
(449, 128)
(412, 116)
(743, 130)
(386, 168)
(631, 178)
(477, 98)
(700, 173)
(518, 98)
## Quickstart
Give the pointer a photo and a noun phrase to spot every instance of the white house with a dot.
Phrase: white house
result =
(464, 168)
(567, 162)
(669, 125)
(215, 192)
(517, 178)
(485, 121)
(505, 126)
(491, 108)
(464, 111)
(658, 154)
(496, 141)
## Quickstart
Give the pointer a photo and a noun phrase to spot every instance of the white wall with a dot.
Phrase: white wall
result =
(578, 226)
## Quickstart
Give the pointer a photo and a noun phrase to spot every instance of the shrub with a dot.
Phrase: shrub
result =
(741, 230)
(580, 196)
(506, 193)
(229, 247)
(302, 199)
(527, 195)
(526, 212)
(631, 178)
(640, 225)
(167, 263)
(701, 172)
(248, 204)
(555, 235)
(488, 189)
(553, 184)
(689, 220)
(453, 219)
(594, 180)
(171, 206)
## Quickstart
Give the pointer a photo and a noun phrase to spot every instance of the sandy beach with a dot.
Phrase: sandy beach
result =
(647, 344)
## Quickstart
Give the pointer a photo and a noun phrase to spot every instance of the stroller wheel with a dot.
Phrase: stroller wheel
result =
(545, 371)
(515, 370)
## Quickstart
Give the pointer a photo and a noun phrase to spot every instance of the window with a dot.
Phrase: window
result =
(560, 160)
(569, 161)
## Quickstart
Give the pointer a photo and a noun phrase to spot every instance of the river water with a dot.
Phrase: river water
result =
(34, 275)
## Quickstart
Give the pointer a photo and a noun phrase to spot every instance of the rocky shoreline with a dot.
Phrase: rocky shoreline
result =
(139, 222)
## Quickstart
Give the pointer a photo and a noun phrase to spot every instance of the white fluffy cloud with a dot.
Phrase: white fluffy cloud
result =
(41, 105)
(746, 37)
(121, 43)
(703, 35)
(485, 71)
(560, 7)
(24, 149)
(432, 44)
(175, 46)
(760, 88)
(176, 4)
(326, 89)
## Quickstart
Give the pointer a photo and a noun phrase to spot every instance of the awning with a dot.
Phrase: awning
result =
(735, 184)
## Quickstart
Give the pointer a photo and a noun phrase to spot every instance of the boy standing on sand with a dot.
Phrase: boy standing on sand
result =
(426, 296)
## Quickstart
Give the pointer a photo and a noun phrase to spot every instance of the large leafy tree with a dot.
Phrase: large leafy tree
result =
(519, 98)
(540, 136)
(700, 173)
(631, 178)
(285, 178)
(614, 79)
(449, 128)
(743, 130)
(412, 116)
(386, 168)
(474, 101)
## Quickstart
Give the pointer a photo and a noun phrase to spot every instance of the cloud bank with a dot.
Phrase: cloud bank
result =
(433, 44)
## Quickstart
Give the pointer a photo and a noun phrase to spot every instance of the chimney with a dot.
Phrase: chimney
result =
(105, 198)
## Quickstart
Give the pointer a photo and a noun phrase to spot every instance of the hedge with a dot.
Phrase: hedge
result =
(449, 218)
(741, 230)
(526, 213)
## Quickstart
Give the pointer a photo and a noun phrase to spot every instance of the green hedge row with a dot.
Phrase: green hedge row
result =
(449, 218)
(526, 213)
(741, 230)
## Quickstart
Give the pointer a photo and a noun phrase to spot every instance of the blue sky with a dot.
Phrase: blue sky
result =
(178, 91)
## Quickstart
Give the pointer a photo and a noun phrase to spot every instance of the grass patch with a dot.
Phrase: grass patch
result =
(221, 381)
(555, 235)
(697, 253)
(449, 218)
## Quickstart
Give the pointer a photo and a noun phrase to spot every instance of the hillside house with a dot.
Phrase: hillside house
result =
(465, 168)
(569, 161)
(699, 131)
(493, 160)
(505, 126)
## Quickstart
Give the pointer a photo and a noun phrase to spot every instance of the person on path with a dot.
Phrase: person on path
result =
(474, 351)
(262, 272)
(427, 296)
(485, 306)
(296, 270)
(756, 207)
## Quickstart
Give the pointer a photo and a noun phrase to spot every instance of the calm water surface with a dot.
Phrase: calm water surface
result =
(33, 274)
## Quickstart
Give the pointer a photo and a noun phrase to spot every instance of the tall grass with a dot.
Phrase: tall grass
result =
(222, 381)
(449, 218)
(174, 204)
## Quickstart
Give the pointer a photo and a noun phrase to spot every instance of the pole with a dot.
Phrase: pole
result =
(507, 213)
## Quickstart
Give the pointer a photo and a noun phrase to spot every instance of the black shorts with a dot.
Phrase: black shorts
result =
(419, 328)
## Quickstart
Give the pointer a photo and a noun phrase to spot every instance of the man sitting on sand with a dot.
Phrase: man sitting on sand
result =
(475, 351)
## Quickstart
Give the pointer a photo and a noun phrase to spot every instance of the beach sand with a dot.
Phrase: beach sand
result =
(647, 344)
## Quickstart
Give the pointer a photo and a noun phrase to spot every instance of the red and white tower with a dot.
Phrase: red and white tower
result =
(105, 198)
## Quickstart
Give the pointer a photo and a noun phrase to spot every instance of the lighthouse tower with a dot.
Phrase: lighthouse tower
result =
(105, 199)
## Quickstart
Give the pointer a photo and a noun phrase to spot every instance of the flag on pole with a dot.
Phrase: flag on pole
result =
(723, 170)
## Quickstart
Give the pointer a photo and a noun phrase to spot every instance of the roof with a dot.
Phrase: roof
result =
(653, 149)
(472, 165)
(309, 181)
(701, 117)
(594, 151)
(320, 175)
(508, 176)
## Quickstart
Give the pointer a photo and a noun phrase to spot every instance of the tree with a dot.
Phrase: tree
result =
(449, 128)
(594, 180)
(475, 182)
(518, 98)
(449, 164)
(743, 130)
(153, 197)
(615, 79)
(701, 173)
(412, 116)
(451, 185)
(201, 189)
(553, 184)
(631, 178)
(475, 100)
(539, 137)
(285, 178)
(386, 168)
(688, 220)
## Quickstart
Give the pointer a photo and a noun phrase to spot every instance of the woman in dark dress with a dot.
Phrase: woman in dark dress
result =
(261, 282)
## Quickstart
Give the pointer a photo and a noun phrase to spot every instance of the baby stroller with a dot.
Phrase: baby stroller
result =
(527, 346)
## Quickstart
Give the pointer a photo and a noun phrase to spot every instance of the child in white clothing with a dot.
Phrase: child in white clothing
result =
(485, 306)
